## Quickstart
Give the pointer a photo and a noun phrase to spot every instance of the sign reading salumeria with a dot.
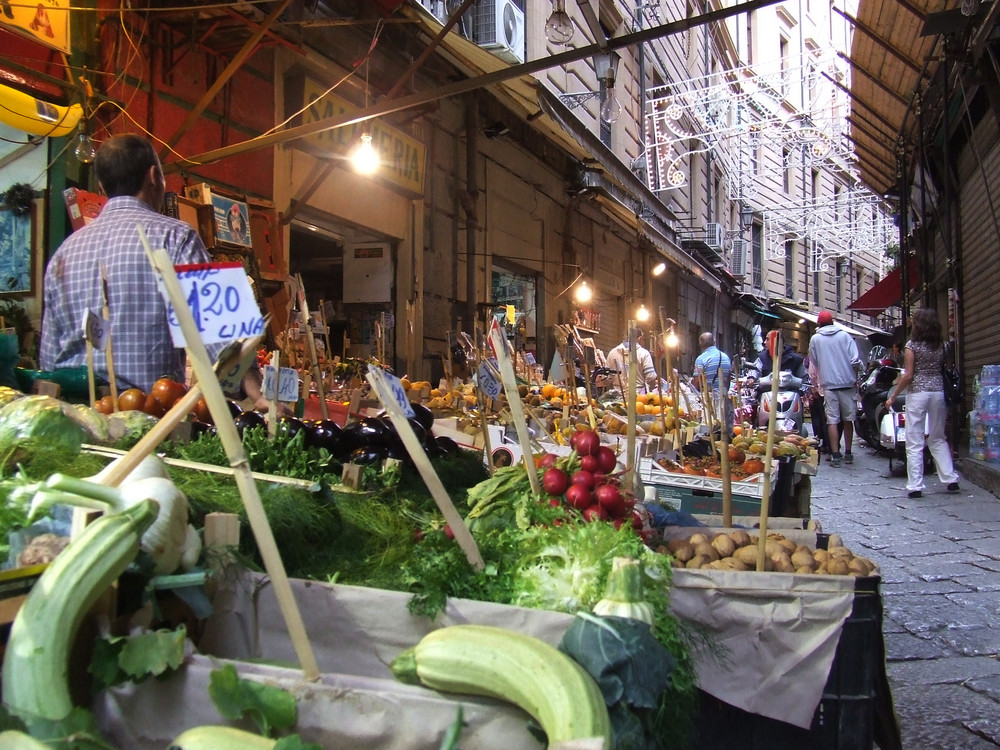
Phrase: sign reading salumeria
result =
(221, 302)
(402, 157)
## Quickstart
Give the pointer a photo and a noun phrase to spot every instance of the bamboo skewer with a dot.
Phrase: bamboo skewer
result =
(237, 459)
(771, 421)
(514, 403)
(91, 384)
(108, 351)
(272, 406)
(633, 370)
(311, 343)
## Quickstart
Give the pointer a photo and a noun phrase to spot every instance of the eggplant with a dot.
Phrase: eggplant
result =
(324, 433)
(289, 426)
(423, 415)
(199, 428)
(366, 431)
(398, 452)
(448, 446)
(249, 420)
(431, 447)
(366, 455)
(234, 408)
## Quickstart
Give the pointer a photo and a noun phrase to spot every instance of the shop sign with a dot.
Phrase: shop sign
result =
(47, 22)
(402, 157)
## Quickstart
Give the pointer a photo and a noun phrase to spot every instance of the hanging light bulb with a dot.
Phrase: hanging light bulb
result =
(85, 150)
(659, 268)
(559, 27)
(672, 340)
(583, 293)
(611, 109)
(365, 157)
(642, 314)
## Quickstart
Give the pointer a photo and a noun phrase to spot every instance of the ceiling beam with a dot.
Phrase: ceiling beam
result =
(857, 99)
(876, 80)
(885, 164)
(872, 131)
(880, 41)
(455, 88)
(234, 65)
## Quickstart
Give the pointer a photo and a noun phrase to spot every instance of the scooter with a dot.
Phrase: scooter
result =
(790, 407)
(871, 412)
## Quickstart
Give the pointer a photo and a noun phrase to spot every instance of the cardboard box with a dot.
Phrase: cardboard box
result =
(82, 206)
(197, 215)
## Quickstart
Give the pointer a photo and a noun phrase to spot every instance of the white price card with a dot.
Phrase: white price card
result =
(488, 381)
(230, 370)
(288, 384)
(95, 330)
(529, 358)
(394, 386)
(221, 302)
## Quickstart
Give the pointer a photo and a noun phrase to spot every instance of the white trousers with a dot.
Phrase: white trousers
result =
(918, 405)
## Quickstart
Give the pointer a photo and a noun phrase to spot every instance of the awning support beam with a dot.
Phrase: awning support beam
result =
(880, 41)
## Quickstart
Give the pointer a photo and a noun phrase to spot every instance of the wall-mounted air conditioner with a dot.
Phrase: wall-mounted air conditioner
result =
(714, 236)
(500, 29)
(738, 262)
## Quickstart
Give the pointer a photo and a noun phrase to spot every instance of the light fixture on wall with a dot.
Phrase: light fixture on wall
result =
(746, 215)
(606, 67)
(364, 157)
(559, 27)
(583, 293)
(672, 339)
(642, 314)
(659, 268)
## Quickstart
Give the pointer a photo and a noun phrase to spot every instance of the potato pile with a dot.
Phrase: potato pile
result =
(737, 550)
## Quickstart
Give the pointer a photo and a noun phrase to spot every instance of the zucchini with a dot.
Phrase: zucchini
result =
(513, 667)
(15, 740)
(212, 737)
(36, 662)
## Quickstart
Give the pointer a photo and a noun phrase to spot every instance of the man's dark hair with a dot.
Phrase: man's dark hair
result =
(122, 164)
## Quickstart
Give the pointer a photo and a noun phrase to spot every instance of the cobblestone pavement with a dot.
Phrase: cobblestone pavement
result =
(940, 562)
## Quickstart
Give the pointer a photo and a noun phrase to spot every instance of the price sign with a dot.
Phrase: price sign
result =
(529, 358)
(488, 381)
(288, 384)
(391, 386)
(221, 302)
(95, 330)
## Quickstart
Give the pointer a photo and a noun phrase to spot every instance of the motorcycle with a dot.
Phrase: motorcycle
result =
(871, 415)
(790, 407)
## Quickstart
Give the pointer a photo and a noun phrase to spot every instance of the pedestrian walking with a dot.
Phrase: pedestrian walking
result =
(714, 367)
(922, 359)
(835, 355)
(645, 377)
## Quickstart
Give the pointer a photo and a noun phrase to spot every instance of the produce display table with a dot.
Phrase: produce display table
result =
(780, 635)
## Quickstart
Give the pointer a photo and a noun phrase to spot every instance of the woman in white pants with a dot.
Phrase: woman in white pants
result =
(922, 358)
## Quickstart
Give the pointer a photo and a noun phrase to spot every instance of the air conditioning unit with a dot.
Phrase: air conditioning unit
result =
(738, 262)
(500, 29)
(714, 236)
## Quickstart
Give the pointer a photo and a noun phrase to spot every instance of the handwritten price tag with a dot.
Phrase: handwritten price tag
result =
(230, 373)
(488, 382)
(288, 384)
(95, 330)
(221, 302)
(391, 386)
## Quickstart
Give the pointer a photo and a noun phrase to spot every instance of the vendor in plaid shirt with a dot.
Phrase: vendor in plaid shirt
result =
(129, 172)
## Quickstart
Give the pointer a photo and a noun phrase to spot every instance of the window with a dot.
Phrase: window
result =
(817, 184)
(836, 203)
(750, 22)
(757, 249)
(790, 269)
(841, 270)
(786, 170)
(817, 276)
(783, 54)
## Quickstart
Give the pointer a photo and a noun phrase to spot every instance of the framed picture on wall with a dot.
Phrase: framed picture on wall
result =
(16, 254)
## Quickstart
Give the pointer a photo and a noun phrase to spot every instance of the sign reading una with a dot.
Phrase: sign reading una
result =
(221, 302)
(401, 158)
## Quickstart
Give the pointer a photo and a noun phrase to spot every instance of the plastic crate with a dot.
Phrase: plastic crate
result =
(845, 717)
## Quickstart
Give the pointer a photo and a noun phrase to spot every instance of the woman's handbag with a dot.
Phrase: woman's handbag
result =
(951, 377)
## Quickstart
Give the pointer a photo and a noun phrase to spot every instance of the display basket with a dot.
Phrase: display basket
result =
(652, 473)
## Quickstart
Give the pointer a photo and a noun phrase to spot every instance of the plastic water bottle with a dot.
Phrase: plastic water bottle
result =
(993, 444)
(992, 403)
(977, 437)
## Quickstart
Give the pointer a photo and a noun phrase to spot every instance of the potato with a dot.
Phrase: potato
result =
(837, 567)
(870, 564)
(723, 545)
(788, 544)
(707, 550)
(821, 556)
(747, 556)
(781, 557)
(858, 565)
(695, 539)
(715, 565)
(683, 551)
(834, 540)
(675, 563)
(805, 569)
(821, 570)
(841, 553)
(674, 544)
(698, 561)
(784, 565)
(740, 537)
(731, 563)
(802, 558)
(772, 548)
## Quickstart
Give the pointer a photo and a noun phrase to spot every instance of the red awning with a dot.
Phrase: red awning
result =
(887, 292)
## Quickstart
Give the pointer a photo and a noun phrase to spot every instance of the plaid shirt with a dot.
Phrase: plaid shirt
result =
(142, 347)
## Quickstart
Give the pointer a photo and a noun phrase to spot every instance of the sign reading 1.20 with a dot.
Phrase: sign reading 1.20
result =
(221, 303)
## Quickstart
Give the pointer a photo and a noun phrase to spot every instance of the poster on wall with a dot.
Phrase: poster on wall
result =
(46, 23)
(15, 254)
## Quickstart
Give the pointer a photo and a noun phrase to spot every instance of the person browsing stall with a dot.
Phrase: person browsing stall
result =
(107, 254)
(617, 359)
(714, 367)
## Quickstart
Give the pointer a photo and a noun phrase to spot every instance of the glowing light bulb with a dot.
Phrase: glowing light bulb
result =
(611, 110)
(642, 314)
(85, 150)
(659, 268)
(559, 27)
(583, 293)
(365, 157)
(672, 340)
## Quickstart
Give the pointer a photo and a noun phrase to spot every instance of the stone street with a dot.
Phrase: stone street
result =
(940, 563)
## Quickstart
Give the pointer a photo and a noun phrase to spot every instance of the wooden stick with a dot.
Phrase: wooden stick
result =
(483, 408)
(514, 403)
(272, 407)
(327, 351)
(109, 357)
(91, 385)
(226, 429)
(706, 398)
(378, 380)
(771, 421)
(633, 368)
(304, 310)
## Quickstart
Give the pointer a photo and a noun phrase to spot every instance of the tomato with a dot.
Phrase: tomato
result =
(153, 407)
(168, 392)
(105, 405)
(201, 411)
(131, 399)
